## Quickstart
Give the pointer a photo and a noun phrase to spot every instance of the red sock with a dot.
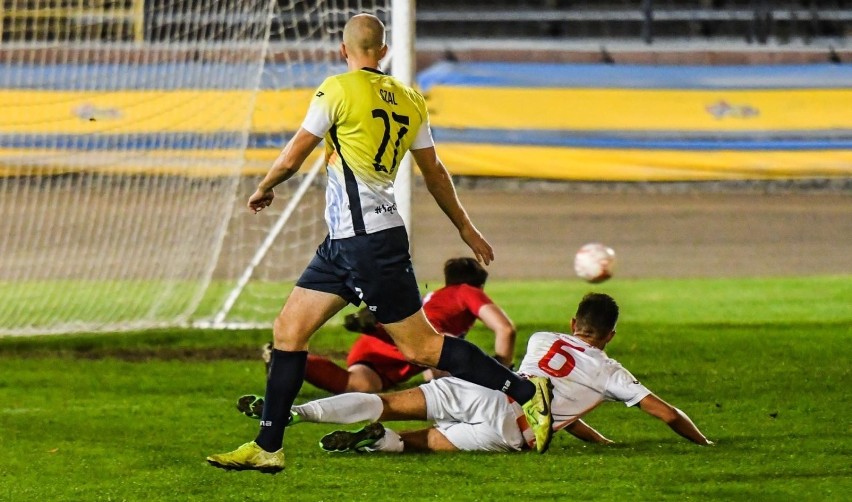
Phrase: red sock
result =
(323, 373)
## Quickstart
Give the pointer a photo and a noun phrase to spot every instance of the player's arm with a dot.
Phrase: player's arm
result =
(286, 165)
(441, 187)
(584, 432)
(322, 114)
(674, 418)
(504, 332)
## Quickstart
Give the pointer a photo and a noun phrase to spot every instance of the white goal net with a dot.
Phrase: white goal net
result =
(132, 134)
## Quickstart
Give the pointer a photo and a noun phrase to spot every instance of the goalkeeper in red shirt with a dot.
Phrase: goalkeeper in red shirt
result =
(375, 363)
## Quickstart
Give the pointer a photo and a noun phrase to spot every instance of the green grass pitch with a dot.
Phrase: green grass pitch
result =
(761, 366)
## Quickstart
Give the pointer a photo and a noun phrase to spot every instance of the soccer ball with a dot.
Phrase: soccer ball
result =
(594, 262)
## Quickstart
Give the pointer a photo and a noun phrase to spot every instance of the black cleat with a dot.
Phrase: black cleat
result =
(339, 441)
(250, 405)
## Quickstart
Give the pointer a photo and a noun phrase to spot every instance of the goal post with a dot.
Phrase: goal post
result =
(403, 65)
(126, 160)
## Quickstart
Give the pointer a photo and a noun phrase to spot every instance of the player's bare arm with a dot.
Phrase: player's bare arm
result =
(584, 432)
(441, 187)
(674, 418)
(497, 321)
(287, 164)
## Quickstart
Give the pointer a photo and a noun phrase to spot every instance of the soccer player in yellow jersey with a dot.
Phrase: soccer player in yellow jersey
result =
(369, 121)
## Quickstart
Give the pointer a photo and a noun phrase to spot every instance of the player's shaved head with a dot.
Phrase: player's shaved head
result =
(364, 34)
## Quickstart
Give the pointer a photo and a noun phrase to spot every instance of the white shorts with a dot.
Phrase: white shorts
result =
(472, 417)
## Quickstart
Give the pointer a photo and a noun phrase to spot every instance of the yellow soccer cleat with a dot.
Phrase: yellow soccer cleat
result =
(538, 414)
(249, 457)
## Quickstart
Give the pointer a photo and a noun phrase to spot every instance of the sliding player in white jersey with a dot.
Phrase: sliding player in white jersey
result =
(473, 418)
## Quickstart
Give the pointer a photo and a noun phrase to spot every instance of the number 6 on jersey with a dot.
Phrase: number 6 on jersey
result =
(558, 362)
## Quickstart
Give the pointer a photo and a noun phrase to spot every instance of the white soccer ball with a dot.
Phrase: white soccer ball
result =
(594, 262)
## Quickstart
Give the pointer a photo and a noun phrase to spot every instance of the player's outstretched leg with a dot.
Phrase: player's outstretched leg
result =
(538, 414)
(249, 456)
(466, 361)
(340, 441)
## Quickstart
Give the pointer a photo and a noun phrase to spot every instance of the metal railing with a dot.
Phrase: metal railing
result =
(643, 21)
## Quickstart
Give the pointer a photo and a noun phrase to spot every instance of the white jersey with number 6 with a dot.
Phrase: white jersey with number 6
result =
(583, 376)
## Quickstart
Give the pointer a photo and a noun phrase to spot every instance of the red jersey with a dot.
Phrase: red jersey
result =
(454, 309)
(451, 310)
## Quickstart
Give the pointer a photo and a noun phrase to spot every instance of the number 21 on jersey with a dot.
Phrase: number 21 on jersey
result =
(558, 362)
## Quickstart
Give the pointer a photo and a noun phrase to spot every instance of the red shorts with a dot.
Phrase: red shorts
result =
(384, 358)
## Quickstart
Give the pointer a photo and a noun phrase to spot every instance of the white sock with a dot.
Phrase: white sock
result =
(343, 409)
(391, 442)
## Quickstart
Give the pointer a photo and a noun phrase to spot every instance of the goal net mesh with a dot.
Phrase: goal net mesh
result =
(132, 135)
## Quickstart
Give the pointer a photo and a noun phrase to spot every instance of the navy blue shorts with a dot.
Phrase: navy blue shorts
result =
(375, 268)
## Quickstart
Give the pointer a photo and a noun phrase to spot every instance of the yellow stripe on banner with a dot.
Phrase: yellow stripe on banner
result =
(640, 110)
(641, 165)
(69, 112)
(277, 111)
(193, 163)
(462, 159)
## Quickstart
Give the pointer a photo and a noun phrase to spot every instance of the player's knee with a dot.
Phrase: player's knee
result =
(286, 336)
(279, 329)
(417, 340)
(363, 378)
(361, 385)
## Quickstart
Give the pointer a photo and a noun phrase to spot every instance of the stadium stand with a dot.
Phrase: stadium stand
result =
(648, 21)
(637, 31)
(50, 20)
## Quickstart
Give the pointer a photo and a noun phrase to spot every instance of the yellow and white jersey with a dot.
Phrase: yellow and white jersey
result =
(583, 376)
(369, 121)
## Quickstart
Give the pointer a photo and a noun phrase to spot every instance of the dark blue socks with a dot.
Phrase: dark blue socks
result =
(466, 361)
(286, 374)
